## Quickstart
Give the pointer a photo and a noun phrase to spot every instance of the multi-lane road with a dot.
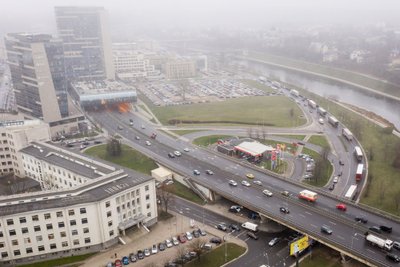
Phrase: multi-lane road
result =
(306, 217)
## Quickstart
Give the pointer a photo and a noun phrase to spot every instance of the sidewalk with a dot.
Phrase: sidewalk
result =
(140, 239)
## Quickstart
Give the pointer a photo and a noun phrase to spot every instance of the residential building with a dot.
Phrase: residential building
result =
(130, 64)
(89, 206)
(37, 72)
(180, 68)
(87, 43)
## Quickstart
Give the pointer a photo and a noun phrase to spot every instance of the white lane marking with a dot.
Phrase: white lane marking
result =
(309, 213)
(332, 223)
(258, 197)
(313, 225)
(302, 215)
(341, 237)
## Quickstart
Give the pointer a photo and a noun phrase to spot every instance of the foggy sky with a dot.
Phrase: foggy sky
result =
(38, 15)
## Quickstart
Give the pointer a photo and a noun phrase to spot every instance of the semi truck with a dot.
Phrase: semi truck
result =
(312, 104)
(346, 133)
(250, 226)
(351, 193)
(294, 93)
(385, 244)
(359, 172)
(358, 153)
(321, 111)
(308, 195)
(333, 121)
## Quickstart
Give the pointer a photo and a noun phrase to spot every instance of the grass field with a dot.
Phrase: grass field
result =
(216, 257)
(258, 85)
(129, 158)
(208, 140)
(293, 136)
(182, 191)
(319, 140)
(61, 261)
(263, 110)
(321, 257)
(343, 74)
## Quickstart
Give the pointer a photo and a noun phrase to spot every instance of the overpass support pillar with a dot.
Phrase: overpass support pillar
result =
(343, 256)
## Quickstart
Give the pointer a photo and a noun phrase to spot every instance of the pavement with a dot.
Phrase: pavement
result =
(138, 239)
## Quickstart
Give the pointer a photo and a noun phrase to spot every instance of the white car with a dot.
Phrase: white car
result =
(257, 182)
(245, 183)
(267, 193)
(168, 243)
(232, 182)
(186, 149)
(189, 236)
(143, 127)
(335, 179)
(154, 249)
(274, 241)
(175, 241)
(148, 143)
(177, 153)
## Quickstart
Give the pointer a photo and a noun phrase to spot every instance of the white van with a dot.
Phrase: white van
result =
(250, 226)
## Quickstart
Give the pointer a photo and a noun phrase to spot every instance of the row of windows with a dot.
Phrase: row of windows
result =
(46, 216)
(29, 250)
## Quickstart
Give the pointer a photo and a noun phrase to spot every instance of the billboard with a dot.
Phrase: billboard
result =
(299, 245)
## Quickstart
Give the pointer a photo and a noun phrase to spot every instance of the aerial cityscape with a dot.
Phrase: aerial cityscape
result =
(199, 133)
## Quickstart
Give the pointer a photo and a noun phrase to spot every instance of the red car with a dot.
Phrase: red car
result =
(182, 238)
(341, 206)
(118, 263)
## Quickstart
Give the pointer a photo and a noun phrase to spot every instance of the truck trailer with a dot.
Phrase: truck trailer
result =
(333, 121)
(385, 244)
(312, 104)
(359, 172)
(346, 133)
(321, 111)
(308, 195)
(250, 226)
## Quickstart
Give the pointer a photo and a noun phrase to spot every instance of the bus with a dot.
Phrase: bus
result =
(308, 195)
(346, 133)
(312, 104)
(359, 172)
(333, 121)
(358, 153)
(321, 111)
(294, 93)
(351, 193)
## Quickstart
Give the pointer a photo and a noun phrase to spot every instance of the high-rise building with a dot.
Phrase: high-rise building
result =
(87, 43)
(37, 70)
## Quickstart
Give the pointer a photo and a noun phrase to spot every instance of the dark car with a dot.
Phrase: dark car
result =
(326, 229)
(196, 233)
(222, 227)
(125, 260)
(375, 229)
(284, 210)
(393, 257)
(341, 162)
(140, 255)
(161, 246)
(209, 172)
(301, 143)
(132, 257)
(252, 235)
(216, 240)
(234, 227)
(361, 219)
(331, 187)
(385, 228)
(97, 142)
(171, 155)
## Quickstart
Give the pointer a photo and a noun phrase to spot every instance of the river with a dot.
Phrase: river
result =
(380, 105)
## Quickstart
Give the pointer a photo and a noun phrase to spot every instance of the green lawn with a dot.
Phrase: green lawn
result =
(319, 140)
(343, 74)
(59, 262)
(216, 257)
(182, 191)
(321, 181)
(258, 85)
(209, 140)
(281, 168)
(129, 158)
(262, 110)
(321, 257)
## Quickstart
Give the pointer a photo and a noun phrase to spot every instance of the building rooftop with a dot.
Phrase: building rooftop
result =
(100, 86)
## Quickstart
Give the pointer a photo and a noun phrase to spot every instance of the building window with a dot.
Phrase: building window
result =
(64, 244)
(71, 212)
(108, 214)
(41, 248)
(74, 232)
(147, 197)
(17, 252)
(83, 210)
(36, 228)
(61, 225)
(72, 222)
(29, 250)
(50, 236)
(76, 242)
(84, 220)
(10, 222)
(12, 232)
(39, 238)
(110, 223)
(14, 242)
(59, 214)
(27, 240)
(146, 188)
(47, 216)
(87, 240)
(85, 230)
(24, 230)
(53, 246)
(148, 206)
(108, 204)
(149, 214)
(22, 220)
(49, 226)
(63, 234)
(111, 233)
(4, 255)
(35, 218)
(1, 244)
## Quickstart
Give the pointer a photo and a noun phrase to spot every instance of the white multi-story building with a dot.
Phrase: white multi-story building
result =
(130, 64)
(15, 135)
(89, 206)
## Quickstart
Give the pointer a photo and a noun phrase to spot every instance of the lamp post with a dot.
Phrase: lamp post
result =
(225, 238)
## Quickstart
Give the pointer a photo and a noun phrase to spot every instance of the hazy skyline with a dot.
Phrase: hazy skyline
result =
(38, 16)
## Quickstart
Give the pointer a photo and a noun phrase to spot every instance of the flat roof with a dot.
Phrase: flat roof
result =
(253, 148)
(100, 86)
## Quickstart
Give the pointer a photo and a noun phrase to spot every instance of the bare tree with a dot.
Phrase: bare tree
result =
(325, 152)
(356, 128)
(197, 246)
(291, 113)
(250, 132)
(165, 197)
(180, 252)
